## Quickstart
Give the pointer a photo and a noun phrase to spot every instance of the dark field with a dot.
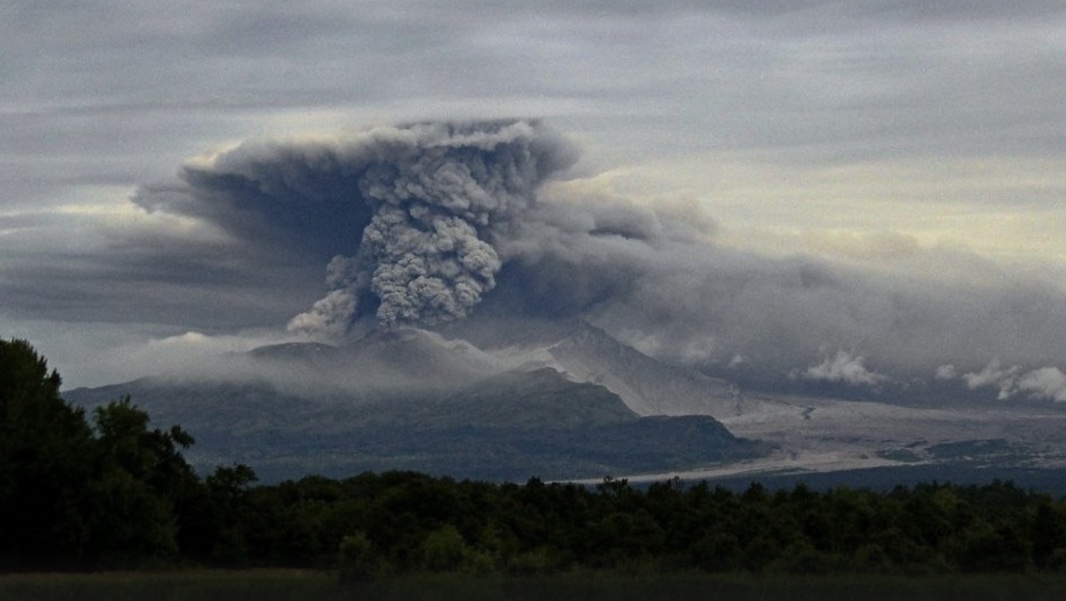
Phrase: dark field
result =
(294, 585)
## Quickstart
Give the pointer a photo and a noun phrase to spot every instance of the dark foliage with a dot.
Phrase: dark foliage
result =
(397, 522)
(113, 492)
(81, 494)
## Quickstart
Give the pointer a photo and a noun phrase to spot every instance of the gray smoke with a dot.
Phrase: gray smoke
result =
(411, 212)
(654, 276)
(431, 222)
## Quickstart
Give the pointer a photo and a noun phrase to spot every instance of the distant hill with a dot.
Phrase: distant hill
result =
(585, 353)
(498, 398)
(509, 426)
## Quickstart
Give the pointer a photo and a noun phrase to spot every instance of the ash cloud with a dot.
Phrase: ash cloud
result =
(409, 215)
(430, 223)
(656, 276)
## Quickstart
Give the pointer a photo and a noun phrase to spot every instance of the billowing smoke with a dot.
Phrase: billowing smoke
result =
(412, 213)
(432, 222)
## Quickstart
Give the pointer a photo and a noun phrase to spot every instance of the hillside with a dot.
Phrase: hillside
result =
(509, 426)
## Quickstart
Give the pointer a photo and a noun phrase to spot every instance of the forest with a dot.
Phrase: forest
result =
(106, 490)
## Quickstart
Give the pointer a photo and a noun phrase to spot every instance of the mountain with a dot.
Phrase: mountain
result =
(492, 398)
(413, 399)
(474, 348)
(381, 362)
(585, 353)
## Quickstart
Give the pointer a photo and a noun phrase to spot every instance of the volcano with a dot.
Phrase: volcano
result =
(557, 400)
(506, 399)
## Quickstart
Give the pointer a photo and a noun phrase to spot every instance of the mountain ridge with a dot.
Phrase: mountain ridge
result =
(563, 399)
(480, 422)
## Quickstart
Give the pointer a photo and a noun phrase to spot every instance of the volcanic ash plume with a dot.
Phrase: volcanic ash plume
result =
(422, 223)
(437, 194)
(409, 213)
(426, 254)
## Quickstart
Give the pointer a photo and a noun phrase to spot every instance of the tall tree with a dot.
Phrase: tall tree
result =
(139, 477)
(79, 495)
(45, 453)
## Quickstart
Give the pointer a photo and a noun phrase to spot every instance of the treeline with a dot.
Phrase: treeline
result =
(106, 490)
(400, 521)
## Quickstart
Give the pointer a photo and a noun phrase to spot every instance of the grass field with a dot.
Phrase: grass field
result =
(192, 585)
(297, 585)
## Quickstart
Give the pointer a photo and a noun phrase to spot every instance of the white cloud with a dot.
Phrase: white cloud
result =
(1044, 383)
(843, 367)
(997, 376)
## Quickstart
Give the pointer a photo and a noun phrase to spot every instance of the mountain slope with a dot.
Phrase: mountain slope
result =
(509, 426)
(501, 399)
(585, 353)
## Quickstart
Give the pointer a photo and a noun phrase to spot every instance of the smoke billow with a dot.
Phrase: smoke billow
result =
(428, 223)
(410, 214)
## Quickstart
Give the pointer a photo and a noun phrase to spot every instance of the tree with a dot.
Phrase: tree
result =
(358, 561)
(45, 450)
(74, 494)
(139, 477)
(228, 490)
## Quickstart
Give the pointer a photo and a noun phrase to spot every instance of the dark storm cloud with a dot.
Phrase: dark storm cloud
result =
(130, 273)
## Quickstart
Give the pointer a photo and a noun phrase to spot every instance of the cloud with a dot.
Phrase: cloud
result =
(899, 129)
(434, 221)
(843, 367)
(409, 214)
(997, 376)
(656, 274)
(1045, 383)
(90, 353)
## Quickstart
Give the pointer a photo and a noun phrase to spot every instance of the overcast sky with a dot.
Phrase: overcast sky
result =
(924, 139)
